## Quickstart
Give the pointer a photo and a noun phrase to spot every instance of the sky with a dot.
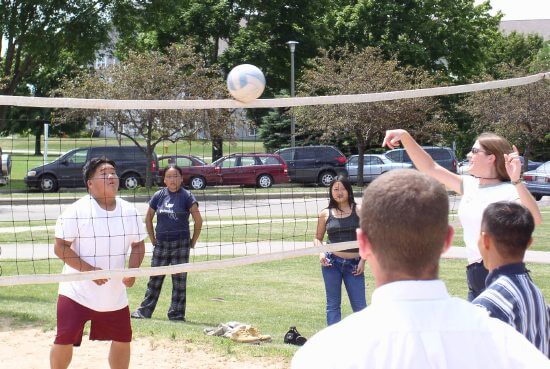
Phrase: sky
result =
(521, 9)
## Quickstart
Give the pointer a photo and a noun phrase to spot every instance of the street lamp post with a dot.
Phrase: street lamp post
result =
(292, 46)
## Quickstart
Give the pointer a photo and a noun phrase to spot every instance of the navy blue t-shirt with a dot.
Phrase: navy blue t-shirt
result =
(172, 210)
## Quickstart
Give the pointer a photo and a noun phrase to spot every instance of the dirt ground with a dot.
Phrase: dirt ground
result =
(29, 347)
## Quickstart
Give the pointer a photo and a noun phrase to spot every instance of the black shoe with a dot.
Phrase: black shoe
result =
(180, 319)
(138, 315)
(293, 337)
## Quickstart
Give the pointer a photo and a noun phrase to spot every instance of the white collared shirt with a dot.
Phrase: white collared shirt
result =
(416, 324)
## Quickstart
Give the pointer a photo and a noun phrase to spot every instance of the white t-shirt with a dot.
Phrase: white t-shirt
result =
(416, 324)
(102, 239)
(475, 199)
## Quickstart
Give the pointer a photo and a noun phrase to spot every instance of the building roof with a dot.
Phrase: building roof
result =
(540, 26)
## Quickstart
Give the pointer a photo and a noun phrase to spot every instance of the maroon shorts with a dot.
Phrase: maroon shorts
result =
(105, 326)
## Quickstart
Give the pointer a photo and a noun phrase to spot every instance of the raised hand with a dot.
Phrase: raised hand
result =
(513, 164)
(393, 138)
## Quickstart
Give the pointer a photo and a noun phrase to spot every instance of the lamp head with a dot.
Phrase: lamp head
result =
(292, 45)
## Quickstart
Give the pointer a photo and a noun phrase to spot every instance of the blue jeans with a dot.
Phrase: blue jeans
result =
(476, 274)
(342, 269)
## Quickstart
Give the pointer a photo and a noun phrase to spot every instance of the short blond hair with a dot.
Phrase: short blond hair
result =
(405, 216)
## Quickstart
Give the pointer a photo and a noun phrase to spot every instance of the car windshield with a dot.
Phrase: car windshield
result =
(219, 162)
(544, 168)
(199, 160)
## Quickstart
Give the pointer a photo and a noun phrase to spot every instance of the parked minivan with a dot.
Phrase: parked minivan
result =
(66, 171)
(444, 156)
(314, 164)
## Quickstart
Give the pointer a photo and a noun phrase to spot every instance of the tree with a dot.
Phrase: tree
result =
(521, 114)
(512, 51)
(178, 73)
(42, 33)
(438, 35)
(342, 71)
(43, 81)
(255, 32)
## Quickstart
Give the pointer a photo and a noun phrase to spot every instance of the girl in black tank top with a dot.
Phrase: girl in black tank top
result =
(346, 265)
(342, 229)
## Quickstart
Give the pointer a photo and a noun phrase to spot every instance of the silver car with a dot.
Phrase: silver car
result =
(463, 167)
(538, 181)
(373, 166)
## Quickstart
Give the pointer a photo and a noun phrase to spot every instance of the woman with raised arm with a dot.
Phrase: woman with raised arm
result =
(495, 175)
(340, 221)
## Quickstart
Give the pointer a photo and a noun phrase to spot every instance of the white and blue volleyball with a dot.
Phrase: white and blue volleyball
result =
(245, 82)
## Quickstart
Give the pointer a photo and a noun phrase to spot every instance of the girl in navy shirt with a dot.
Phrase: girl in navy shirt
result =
(172, 241)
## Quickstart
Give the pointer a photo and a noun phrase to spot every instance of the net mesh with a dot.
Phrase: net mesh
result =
(242, 225)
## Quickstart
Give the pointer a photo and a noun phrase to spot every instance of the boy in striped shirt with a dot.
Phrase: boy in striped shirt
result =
(511, 295)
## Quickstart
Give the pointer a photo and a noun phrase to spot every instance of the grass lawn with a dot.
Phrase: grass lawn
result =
(56, 145)
(271, 296)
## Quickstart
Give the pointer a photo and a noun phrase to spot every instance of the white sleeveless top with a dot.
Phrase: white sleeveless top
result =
(475, 198)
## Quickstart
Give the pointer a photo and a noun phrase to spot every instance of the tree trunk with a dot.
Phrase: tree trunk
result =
(37, 134)
(217, 148)
(526, 155)
(3, 118)
(361, 145)
(148, 173)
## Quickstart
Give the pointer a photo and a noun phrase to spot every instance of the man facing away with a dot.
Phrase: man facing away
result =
(95, 233)
(412, 321)
(511, 295)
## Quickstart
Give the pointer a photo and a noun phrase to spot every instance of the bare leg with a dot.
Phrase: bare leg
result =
(60, 356)
(119, 355)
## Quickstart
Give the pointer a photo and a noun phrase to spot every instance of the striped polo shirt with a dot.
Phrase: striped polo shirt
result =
(512, 297)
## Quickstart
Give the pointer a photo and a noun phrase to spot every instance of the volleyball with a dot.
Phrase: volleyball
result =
(245, 82)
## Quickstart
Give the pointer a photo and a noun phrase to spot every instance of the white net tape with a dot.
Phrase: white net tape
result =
(47, 102)
(453, 253)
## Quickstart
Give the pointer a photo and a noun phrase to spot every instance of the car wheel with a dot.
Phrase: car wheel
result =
(326, 177)
(130, 181)
(48, 183)
(537, 196)
(264, 181)
(197, 183)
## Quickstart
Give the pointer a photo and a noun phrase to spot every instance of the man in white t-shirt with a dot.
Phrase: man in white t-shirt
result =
(96, 233)
(412, 321)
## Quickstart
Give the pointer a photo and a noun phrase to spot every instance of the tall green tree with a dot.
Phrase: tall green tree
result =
(514, 50)
(438, 35)
(41, 33)
(228, 33)
(521, 114)
(340, 72)
(178, 73)
(250, 31)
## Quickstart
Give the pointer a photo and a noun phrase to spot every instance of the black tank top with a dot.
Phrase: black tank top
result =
(342, 229)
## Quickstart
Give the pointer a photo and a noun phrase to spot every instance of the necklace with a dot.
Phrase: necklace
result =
(486, 177)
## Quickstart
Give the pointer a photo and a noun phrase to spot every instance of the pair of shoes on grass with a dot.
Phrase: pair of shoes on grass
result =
(293, 337)
(249, 334)
(139, 315)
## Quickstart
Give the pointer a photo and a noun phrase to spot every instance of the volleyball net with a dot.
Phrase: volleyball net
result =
(242, 224)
